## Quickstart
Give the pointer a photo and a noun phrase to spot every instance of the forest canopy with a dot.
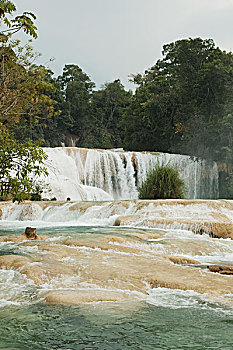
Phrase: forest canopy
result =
(183, 104)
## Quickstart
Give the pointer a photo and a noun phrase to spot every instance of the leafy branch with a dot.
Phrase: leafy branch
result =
(23, 22)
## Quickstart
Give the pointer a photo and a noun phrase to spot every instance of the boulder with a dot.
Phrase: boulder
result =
(223, 270)
(30, 233)
(180, 260)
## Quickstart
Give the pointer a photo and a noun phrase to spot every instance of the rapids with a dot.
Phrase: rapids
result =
(200, 216)
(128, 247)
(141, 284)
(89, 174)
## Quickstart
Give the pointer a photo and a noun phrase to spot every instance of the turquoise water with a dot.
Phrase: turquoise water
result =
(101, 327)
(168, 320)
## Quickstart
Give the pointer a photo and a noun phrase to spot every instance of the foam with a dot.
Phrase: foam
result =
(16, 289)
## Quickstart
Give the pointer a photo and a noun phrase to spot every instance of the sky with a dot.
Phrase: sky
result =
(111, 39)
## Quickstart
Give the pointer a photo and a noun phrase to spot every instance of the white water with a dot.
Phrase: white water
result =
(17, 289)
(104, 214)
(61, 215)
(95, 175)
(174, 215)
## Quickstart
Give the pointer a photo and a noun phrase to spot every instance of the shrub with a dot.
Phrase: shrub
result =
(36, 195)
(161, 183)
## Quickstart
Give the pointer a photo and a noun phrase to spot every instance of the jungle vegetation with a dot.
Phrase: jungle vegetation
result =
(183, 104)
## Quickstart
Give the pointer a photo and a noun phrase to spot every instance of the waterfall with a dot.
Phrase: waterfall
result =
(91, 174)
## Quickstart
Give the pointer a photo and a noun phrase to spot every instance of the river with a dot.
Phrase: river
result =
(91, 285)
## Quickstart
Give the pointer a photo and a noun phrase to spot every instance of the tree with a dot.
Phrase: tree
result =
(56, 128)
(181, 101)
(43, 120)
(23, 97)
(149, 120)
(108, 107)
(77, 88)
(203, 79)
(20, 167)
(24, 86)
(23, 22)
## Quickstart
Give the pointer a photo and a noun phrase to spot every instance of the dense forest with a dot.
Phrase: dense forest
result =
(183, 104)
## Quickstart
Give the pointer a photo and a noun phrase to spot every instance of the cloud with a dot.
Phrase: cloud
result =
(111, 39)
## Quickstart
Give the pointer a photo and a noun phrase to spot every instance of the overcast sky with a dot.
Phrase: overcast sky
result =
(111, 39)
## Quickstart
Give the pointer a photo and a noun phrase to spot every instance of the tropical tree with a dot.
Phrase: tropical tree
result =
(77, 88)
(24, 86)
(181, 101)
(21, 166)
(12, 24)
(108, 107)
(23, 97)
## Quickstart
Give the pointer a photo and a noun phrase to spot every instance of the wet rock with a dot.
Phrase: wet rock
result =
(34, 272)
(86, 296)
(29, 212)
(20, 238)
(30, 233)
(13, 261)
(183, 261)
(117, 222)
(199, 216)
(223, 270)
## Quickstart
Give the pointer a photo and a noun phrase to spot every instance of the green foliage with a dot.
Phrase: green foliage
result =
(36, 196)
(26, 92)
(21, 164)
(226, 182)
(181, 102)
(148, 121)
(23, 22)
(163, 182)
(108, 106)
(76, 87)
(95, 117)
(23, 100)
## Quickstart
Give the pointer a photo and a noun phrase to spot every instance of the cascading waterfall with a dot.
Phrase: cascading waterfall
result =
(89, 174)
(121, 266)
